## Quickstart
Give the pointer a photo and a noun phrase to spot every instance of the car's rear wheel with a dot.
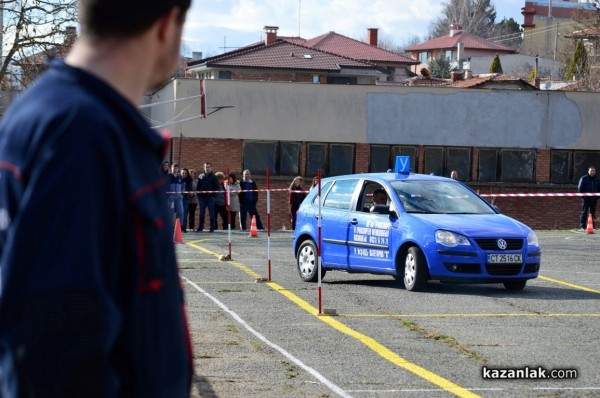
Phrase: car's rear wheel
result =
(518, 284)
(306, 260)
(415, 269)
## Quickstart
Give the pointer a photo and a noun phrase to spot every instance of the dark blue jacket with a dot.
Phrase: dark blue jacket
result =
(588, 184)
(90, 302)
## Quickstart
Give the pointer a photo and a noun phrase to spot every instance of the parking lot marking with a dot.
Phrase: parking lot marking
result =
(371, 343)
(578, 287)
(525, 314)
(333, 387)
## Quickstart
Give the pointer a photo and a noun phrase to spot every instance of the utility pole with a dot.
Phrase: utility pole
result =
(549, 29)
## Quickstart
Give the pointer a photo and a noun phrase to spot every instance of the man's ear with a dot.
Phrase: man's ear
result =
(168, 22)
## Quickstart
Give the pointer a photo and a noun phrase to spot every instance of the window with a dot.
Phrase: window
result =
(488, 165)
(506, 165)
(224, 75)
(448, 54)
(343, 160)
(582, 160)
(320, 155)
(459, 159)
(423, 57)
(280, 158)
(342, 80)
(340, 195)
(380, 159)
(433, 162)
(517, 166)
(561, 170)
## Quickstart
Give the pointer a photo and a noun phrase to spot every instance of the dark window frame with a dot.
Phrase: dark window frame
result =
(277, 167)
(325, 162)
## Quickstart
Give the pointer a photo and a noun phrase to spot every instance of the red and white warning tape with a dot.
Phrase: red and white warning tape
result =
(535, 195)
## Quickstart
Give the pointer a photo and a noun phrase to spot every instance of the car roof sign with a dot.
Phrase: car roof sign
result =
(402, 167)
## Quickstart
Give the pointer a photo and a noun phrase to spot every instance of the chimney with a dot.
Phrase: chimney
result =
(372, 36)
(196, 55)
(455, 29)
(271, 34)
(70, 35)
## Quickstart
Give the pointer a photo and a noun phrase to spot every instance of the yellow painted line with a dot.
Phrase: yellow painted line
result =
(377, 347)
(528, 314)
(578, 287)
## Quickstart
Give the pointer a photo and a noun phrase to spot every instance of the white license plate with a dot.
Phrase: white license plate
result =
(505, 258)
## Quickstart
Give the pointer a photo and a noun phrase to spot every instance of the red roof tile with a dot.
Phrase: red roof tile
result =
(342, 45)
(468, 40)
(283, 55)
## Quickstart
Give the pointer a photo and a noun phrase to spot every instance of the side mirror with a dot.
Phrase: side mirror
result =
(393, 214)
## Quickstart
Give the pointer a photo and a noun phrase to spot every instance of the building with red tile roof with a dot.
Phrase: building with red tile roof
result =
(329, 58)
(452, 44)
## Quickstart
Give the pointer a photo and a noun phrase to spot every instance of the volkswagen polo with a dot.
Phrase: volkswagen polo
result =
(425, 228)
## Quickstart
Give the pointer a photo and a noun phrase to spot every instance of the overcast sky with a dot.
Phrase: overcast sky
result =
(215, 24)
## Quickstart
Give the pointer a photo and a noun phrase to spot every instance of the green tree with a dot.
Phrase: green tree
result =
(578, 67)
(496, 66)
(440, 67)
(508, 32)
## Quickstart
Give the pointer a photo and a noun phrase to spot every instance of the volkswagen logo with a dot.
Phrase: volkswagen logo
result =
(502, 245)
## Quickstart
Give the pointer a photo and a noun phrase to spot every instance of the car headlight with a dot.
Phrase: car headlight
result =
(450, 239)
(532, 239)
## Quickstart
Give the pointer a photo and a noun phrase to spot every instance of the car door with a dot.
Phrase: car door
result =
(370, 233)
(335, 210)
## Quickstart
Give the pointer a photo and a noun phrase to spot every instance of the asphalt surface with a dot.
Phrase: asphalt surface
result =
(256, 338)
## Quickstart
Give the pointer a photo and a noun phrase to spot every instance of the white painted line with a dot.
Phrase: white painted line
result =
(286, 354)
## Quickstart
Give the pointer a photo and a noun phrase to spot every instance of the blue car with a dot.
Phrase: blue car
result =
(415, 228)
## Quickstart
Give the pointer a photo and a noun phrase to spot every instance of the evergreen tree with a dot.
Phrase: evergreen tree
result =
(579, 63)
(496, 66)
(440, 67)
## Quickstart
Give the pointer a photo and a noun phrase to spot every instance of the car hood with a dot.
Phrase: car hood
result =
(476, 225)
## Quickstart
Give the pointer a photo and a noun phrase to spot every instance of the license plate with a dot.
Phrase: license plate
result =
(505, 258)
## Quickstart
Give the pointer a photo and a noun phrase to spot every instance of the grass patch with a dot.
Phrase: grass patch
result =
(230, 291)
(291, 371)
(205, 356)
(449, 340)
(232, 328)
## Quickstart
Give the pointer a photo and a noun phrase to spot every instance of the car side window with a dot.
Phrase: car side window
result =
(370, 192)
(340, 195)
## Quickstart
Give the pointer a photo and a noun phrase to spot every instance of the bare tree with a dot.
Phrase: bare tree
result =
(585, 40)
(32, 31)
(476, 17)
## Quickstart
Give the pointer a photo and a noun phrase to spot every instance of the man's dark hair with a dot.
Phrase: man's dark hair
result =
(379, 191)
(124, 18)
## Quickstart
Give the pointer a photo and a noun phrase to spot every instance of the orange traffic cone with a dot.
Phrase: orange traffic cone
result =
(177, 237)
(253, 229)
(590, 224)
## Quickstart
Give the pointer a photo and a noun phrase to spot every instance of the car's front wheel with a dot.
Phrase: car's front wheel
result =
(306, 260)
(518, 284)
(415, 269)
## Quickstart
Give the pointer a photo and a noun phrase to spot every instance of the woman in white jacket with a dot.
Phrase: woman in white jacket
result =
(233, 185)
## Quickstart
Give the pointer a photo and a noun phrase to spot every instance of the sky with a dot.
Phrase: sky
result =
(216, 26)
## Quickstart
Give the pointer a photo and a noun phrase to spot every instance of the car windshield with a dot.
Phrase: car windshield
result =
(439, 197)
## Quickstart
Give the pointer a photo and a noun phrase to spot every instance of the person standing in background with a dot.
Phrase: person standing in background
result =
(589, 183)
(297, 195)
(220, 204)
(233, 185)
(193, 200)
(248, 200)
(208, 186)
(187, 186)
